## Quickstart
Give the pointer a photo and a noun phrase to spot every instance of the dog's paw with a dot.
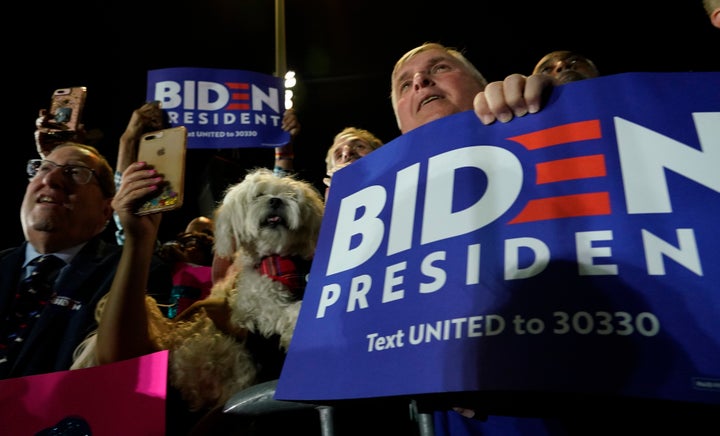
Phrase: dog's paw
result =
(286, 324)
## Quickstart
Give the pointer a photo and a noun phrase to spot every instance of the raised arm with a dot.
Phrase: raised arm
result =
(285, 155)
(123, 329)
(147, 118)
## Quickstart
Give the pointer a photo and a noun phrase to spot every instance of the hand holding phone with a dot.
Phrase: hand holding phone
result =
(61, 123)
(165, 151)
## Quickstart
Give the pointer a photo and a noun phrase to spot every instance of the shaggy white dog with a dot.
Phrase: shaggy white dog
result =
(269, 225)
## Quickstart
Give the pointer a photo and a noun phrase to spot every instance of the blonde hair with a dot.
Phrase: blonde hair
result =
(350, 133)
(711, 5)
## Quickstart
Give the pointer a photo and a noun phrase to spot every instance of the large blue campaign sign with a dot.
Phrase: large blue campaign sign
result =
(222, 108)
(571, 251)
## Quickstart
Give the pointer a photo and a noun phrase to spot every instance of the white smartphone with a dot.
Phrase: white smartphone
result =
(165, 151)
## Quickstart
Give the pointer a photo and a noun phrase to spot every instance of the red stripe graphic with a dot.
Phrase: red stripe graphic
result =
(566, 206)
(572, 132)
(241, 96)
(583, 167)
(561, 170)
(238, 107)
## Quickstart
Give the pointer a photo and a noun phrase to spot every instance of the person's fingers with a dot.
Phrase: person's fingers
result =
(290, 122)
(480, 106)
(536, 88)
(147, 118)
(47, 122)
(515, 96)
(132, 191)
(490, 104)
(137, 175)
(292, 130)
(41, 118)
(514, 93)
(150, 112)
(152, 116)
(467, 413)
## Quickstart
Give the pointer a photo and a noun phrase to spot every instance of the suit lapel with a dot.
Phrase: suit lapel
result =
(11, 261)
(78, 281)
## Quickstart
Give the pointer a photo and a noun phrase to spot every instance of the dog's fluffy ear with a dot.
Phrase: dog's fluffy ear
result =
(231, 215)
(223, 241)
(228, 222)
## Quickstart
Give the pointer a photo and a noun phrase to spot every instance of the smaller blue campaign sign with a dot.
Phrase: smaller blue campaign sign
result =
(222, 108)
(570, 251)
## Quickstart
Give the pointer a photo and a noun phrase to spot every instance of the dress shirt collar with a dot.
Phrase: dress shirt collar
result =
(66, 255)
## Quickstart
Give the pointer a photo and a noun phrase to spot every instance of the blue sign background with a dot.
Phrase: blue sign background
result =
(631, 333)
(229, 126)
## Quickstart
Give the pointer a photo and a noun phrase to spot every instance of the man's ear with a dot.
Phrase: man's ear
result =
(715, 18)
(108, 211)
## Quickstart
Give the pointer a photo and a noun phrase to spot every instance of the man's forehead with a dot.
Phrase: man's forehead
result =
(562, 56)
(350, 139)
(422, 59)
(70, 153)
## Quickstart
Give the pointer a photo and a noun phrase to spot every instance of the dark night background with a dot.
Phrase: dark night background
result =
(343, 52)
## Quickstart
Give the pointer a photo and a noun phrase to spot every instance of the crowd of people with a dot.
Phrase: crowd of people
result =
(74, 194)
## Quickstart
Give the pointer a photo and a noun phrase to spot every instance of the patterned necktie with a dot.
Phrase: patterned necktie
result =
(32, 295)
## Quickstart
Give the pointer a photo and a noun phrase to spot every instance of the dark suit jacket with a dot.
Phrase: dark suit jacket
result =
(59, 330)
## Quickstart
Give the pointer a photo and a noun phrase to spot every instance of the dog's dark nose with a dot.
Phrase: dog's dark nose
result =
(275, 203)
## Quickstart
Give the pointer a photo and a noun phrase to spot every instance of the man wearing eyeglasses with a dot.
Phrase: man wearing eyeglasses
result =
(66, 207)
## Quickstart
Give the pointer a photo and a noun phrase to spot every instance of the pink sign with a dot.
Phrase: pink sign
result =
(126, 397)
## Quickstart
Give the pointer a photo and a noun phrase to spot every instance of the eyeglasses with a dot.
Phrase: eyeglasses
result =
(78, 173)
